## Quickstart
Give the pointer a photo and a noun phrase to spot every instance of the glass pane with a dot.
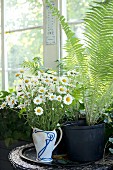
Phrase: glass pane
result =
(23, 13)
(78, 29)
(11, 78)
(76, 9)
(24, 45)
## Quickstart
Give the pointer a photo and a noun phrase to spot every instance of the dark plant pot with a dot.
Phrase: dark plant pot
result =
(61, 149)
(84, 143)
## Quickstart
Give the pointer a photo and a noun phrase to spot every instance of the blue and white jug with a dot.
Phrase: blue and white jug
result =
(44, 142)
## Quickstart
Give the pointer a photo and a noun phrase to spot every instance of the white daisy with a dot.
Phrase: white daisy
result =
(52, 96)
(43, 97)
(64, 80)
(47, 80)
(21, 71)
(62, 89)
(38, 111)
(8, 98)
(3, 105)
(17, 74)
(42, 90)
(37, 100)
(12, 102)
(26, 80)
(68, 99)
(55, 79)
(59, 98)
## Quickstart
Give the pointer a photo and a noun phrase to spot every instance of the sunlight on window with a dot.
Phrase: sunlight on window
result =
(22, 14)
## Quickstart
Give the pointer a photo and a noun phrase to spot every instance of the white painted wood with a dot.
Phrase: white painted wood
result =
(51, 51)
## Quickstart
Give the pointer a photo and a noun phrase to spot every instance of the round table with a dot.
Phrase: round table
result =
(19, 164)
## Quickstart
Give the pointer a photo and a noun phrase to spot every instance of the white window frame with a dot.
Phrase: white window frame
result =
(51, 52)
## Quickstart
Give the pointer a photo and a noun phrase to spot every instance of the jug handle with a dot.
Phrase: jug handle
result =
(61, 133)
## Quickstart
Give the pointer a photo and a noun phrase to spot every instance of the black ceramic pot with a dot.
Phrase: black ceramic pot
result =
(84, 143)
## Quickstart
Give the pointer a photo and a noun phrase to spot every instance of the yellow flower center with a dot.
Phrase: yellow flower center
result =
(61, 89)
(47, 80)
(26, 81)
(17, 75)
(8, 99)
(37, 100)
(21, 71)
(64, 80)
(38, 110)
(12, 101)
(41, 90)
(68, 99)
(54, 79)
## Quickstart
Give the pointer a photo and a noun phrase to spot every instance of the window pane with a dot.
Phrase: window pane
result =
(11, 78)
(24, 45)
(78, 29)
(23, 13)
(76, 9)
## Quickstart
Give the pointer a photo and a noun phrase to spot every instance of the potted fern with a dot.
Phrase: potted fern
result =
(94, 61)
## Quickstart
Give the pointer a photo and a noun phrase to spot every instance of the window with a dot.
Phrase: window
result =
(23, 33)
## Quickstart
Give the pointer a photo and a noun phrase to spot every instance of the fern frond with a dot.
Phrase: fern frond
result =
(95, 58)
(76, 47)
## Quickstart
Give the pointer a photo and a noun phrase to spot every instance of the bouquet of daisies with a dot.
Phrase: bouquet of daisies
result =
(43, 99)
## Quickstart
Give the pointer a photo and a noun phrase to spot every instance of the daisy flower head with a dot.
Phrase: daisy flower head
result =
(37, 100)
(8, 98)
(12, 102)
(38, 111)
(3, 105)
(51, 96)
(62, 89)
(59, 98)
(17, 74)
(47, 80)
(26, 81)
(64, 80)
(42, 89)
(55, 79)
(68, 99)
(42, 97)
(21, 71)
